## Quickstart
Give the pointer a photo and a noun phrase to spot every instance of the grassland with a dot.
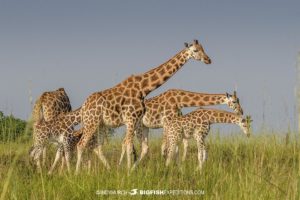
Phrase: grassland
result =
(265, 166)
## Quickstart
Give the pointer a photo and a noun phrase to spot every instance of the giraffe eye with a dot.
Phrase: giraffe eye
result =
(195, 50)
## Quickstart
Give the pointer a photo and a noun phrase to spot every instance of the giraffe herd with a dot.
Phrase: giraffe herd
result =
(126, 104)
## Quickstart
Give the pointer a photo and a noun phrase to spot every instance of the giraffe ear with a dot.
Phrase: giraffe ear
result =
(227, 95)
(186, 45)
(196, 42)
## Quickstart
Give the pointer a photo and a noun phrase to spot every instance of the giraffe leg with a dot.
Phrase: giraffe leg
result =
(204, 151)
(134, 153)
(63, 161)
(99, 153)
(170, 146)
(201, 149)
(185, 146)
(58, 155)
(127, 143)
(89, 163)
(67, 160)
(92, 146)
(177, 155)
(67, 148)
(88, 132)
(142, 135)
(171, 151)
(44, 156)
(67, 151)
(79, 155)
(129, 150)
(39, 143)
(164, 144)
(145, 146)
(204, 154)
(36, 154)
(122, 152)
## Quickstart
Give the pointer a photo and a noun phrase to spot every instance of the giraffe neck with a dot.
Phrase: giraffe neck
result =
(189, 99)
(219, 116)
(159, 75)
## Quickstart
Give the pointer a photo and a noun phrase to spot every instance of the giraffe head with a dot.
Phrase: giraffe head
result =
(197, 52)
(245, 124)
(234, 103)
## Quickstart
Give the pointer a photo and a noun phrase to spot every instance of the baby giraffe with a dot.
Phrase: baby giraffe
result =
(61, 131)
(197, 125)
(58, 130)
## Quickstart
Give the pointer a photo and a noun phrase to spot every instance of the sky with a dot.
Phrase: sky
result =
(89, 46)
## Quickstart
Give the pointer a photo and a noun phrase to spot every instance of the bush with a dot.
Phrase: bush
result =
(10, 127)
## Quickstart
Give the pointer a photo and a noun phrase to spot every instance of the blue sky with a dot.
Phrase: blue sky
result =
(88, 46)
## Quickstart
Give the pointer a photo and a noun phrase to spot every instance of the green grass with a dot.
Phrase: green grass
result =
(261, 167)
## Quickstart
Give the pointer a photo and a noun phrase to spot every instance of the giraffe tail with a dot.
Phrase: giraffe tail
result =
(37, 113)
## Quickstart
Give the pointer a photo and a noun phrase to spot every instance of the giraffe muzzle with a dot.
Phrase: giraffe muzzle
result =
(207, 61)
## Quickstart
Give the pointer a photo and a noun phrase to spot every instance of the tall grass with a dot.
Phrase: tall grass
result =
(266, 166)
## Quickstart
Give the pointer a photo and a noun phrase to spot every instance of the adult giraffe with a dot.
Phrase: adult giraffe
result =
(124, 103)
(48, 106)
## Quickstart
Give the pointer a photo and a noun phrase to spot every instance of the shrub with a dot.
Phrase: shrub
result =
(10, 127)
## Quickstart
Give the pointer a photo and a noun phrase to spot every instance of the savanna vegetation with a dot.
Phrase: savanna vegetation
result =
(265, 166)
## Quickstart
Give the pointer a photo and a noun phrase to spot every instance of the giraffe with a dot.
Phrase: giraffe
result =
(197, 125)
(167, 105)
(49, 105)
(124, 103)
(60, 130)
